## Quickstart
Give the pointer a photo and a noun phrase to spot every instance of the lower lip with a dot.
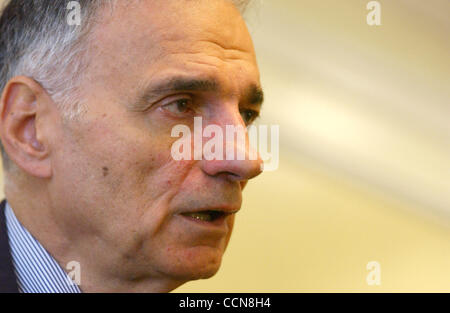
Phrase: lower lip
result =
(217, 224)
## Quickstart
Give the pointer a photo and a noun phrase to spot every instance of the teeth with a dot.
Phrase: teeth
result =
(200, 216)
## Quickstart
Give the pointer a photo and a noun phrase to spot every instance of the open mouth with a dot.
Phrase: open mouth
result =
(206, 216)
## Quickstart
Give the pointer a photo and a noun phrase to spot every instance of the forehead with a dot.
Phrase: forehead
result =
(161, 38)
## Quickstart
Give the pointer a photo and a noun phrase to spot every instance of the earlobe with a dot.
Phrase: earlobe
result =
(19, 132)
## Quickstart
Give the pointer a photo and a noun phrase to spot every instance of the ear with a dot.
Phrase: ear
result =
(21, 106)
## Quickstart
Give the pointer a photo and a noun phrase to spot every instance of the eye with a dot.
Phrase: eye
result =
(249, 116)
(179, 106)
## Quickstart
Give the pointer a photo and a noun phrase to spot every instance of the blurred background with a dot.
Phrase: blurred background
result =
(364, 170)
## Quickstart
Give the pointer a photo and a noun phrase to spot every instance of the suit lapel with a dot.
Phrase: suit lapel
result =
(8, 282)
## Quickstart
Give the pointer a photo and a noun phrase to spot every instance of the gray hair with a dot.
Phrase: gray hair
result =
(36, 41)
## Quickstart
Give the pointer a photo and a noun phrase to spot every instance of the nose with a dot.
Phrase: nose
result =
(239, 161)
(234, 169)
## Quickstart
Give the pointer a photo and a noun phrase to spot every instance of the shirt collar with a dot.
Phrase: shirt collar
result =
(36, 270)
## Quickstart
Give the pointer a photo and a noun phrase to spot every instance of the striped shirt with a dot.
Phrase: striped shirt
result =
(36, 270)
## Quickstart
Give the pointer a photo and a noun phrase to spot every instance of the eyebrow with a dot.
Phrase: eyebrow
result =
(253, 95)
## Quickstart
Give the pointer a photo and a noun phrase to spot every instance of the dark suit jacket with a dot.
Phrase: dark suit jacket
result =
(8, 281)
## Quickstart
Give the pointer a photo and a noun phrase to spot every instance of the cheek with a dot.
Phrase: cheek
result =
(124, 172)
(133, 153)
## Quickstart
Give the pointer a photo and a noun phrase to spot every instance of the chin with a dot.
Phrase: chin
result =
(204, 273)
(194, 265)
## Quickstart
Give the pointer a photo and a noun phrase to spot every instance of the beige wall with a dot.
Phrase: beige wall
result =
(364, 172)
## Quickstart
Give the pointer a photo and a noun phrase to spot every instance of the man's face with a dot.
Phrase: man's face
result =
(154, 65)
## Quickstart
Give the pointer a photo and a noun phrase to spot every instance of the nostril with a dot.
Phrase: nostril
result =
(233, 170)
(230, 176)
(233, 176)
